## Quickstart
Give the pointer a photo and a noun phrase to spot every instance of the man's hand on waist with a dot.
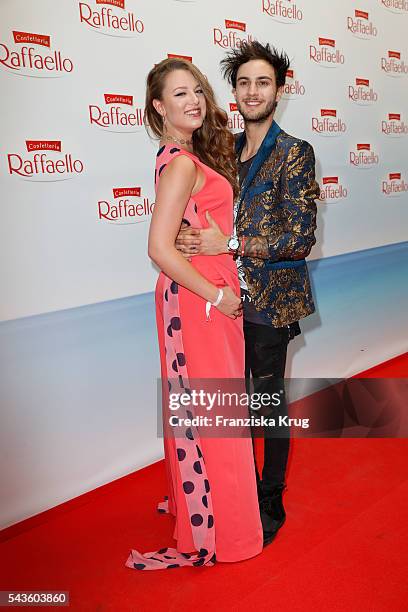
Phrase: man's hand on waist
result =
(209, 241)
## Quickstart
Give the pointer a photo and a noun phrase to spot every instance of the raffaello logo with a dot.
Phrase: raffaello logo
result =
(232, 36)
(328, 124)
(284, 11)
(361, 26)
(39, 61)
(394, 185)
(394, 126)
(188, 58)
(363, 157)
(361, 93)
(110, 17)
(395, 6)
(235, 120)
(325, 53)
(117, 114)
(331, 190)
(42, 167)
(293, 88)
(127, 208)
(393, 65)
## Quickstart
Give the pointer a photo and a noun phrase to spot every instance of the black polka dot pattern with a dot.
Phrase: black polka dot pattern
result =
(160, 151)
(188, 487)
(197, 467)
(199, 562)
(181, 454)
(197, 520)
(139, 566)
(175, 323)
(181, 359)
(174, 150)
(162, 168)
(190, 460)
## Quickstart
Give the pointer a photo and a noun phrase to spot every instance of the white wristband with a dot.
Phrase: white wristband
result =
(209, 304)
(219, 298)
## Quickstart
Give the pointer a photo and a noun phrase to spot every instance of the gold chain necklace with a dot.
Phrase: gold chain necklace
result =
(177, 140)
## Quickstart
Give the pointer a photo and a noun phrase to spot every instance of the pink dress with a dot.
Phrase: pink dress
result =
(212, 484)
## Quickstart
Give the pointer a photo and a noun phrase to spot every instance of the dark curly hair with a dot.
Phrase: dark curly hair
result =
(255, 51)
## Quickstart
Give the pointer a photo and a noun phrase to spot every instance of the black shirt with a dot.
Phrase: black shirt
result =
(243, 168)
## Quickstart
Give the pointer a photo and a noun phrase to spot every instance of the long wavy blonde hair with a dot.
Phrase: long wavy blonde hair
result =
(213, 143)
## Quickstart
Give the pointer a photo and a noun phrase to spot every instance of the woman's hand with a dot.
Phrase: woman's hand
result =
(230, 304)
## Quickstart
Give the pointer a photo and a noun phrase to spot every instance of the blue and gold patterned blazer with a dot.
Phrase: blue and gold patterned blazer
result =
(277, 201)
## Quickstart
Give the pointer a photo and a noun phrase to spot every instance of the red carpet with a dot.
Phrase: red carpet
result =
(344, 546)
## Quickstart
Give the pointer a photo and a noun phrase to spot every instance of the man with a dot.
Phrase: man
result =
(275, 220)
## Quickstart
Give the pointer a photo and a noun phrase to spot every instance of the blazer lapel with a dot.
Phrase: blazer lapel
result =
(263, 153)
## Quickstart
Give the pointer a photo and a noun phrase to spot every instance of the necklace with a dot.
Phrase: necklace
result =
(178, 140)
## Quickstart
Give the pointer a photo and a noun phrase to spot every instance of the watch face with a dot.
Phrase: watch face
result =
(233, 243)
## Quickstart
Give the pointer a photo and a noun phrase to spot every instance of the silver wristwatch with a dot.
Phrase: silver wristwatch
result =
(233, 244)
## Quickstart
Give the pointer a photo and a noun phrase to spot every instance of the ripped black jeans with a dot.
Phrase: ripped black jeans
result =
(265, 360)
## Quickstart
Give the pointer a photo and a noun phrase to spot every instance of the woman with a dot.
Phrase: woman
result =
(212, 480)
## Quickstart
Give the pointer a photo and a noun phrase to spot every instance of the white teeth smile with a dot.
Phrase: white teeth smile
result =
(196, 113)
(252, 103)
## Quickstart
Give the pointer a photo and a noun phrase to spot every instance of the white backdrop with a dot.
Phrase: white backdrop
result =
(78, 361)
(77, 165)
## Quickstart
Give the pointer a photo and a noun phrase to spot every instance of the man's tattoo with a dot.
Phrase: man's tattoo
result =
(257, 246)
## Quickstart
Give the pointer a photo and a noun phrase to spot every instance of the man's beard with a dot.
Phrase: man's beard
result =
(260, 117)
